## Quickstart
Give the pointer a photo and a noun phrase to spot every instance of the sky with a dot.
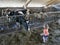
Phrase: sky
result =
(19, 3)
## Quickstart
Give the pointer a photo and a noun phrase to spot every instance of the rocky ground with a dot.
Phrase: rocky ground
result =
(32, 37)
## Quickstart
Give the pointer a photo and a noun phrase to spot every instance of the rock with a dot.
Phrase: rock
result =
(58, 21)
(56, 32)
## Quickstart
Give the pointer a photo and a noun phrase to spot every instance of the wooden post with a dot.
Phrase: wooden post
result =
(2, 12)
(26, 4)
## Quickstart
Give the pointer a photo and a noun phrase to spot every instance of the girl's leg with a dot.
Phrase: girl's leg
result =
(44, 39)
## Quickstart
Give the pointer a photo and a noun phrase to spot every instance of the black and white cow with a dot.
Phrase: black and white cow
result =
(20, 19)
